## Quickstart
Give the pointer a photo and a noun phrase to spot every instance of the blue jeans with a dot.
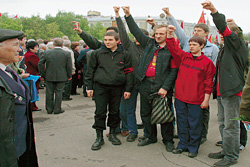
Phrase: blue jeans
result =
(189, 125)
(127, 112)
(228, 108)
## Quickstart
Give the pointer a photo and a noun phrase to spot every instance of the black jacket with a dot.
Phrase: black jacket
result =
(231, 62)
(165, 76)
(109, 68)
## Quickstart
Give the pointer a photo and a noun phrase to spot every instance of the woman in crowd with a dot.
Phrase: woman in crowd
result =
(31, 61)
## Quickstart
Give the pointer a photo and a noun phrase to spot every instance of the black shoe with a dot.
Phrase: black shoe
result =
(38, 109)
(75, 94)
(131, 137)
(142, 138)
(140, 126)
(177, 151)
(66, 99)
(99, 141)
(169, 147)
(49, 112)
(217, 155)
(224, 163)
(192, 155)
(218, 143)
(62, 111)
(145, 142)
(203, 140)
(112, 137)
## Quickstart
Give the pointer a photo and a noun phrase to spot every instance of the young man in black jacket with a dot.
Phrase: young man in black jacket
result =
(157, 74)
(110, 70)
(228, 85)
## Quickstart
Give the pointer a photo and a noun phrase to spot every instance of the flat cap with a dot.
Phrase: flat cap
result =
(6, 34)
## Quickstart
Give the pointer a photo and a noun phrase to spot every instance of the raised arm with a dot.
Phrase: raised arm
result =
(134, 29)
(91, 41)
(173, 48)
(181, 35)
(125, 40)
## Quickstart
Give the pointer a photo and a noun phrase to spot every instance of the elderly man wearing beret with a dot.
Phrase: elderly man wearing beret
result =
(17, 146)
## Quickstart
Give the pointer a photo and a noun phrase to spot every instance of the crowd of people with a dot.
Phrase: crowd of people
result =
(115, 71)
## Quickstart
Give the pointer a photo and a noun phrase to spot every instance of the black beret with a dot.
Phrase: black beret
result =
(6, 34)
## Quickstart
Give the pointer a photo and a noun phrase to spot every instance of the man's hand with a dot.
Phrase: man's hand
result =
(116, 9)
(69, 79)
(151, 21)
(127, 95)
(78, 29)
(25, 75)
(90, 93)
(170, 31)
(205, 104)
(166, 11)
(230, 21)
(126, 10)
(162, 92)
(209, 6)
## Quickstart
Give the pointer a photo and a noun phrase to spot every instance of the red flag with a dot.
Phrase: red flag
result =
(182, 24)
(0, 14)
(15, 17)
(210, 38)
(202, 18)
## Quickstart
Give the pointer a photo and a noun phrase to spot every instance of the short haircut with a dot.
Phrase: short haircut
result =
(160, 26)
(233, 27)
(41, 45)
(39, 41)
(45, 41)
(67, 43)
(145, 31)
(202, 26)
(21, 37)
(65, 37)
(31, 45)
(112, 28)
(74, 45)
(58, 42)
(198, 39)
(114, 34)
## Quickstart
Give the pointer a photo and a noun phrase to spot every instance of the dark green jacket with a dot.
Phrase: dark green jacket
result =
(165, 76)
(91, 41)
(231, 61)
(7, 126)
(58, 66)
(109, 68)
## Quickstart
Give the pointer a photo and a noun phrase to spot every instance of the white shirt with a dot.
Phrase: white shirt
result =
(3, 67)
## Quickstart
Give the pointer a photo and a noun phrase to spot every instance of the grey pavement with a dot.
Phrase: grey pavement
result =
(64, 140)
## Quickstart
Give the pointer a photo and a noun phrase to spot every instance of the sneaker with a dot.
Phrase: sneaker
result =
(217, 155)
(169, 147)
(125, 133)
(242, 147)
(177, 151)
(192, 155)
(218, 143)
(131, 137)
(224, 163)
(142, 138)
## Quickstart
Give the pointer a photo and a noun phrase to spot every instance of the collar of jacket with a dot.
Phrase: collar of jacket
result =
(29, 53)
(208, 44)
(5, 86)
(105, 49)
(157, 45)
(198, 58)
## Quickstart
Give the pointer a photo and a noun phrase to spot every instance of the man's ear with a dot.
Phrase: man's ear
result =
(207, 34)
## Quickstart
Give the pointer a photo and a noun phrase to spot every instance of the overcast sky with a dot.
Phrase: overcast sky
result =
(189, 11)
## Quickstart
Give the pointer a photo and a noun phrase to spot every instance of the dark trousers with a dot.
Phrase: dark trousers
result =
(67, 89)
(54, 88)
(74, 83)
(189, 124)
(147, 87)
(206, 117)
(243, 134)
(107, 96)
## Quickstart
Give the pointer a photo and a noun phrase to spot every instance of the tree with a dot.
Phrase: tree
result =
(8, 23)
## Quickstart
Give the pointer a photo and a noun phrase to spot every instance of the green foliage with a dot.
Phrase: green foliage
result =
(247, 37)
(241, 118)
(58, 26)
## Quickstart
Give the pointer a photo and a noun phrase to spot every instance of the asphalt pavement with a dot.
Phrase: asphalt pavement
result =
(65, 140)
